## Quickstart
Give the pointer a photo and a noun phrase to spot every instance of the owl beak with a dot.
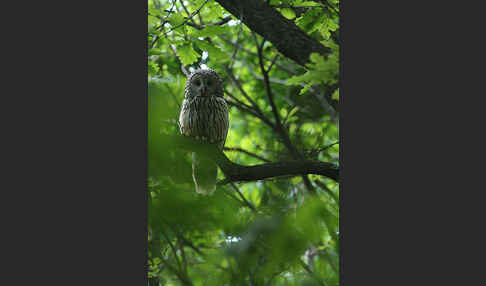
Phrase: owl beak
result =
(203, 91)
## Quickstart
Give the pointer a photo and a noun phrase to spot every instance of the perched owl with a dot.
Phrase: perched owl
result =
(204, 116)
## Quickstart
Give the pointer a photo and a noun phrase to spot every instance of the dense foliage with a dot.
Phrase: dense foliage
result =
(281, 231)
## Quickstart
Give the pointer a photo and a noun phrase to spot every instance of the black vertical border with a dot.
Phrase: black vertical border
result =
(145, 41)
(76, 182)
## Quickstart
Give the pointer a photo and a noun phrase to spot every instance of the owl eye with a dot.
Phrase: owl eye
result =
(198, 83)
(210, 83)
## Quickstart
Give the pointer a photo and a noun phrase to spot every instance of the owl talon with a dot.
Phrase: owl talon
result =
(197, 137)
(203, 138)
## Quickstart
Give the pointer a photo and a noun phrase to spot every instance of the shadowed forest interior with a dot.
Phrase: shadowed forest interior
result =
(274, 217)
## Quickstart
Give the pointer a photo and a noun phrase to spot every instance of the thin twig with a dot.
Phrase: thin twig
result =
(173, 250)
(267, 82)
(240, 88)
(236, 46)
(164, 21)
(189, 18)
(252, 112)
(246, 152)
(326, 147)
(287, 69)
(231, 195)
(236, 99)
(327, 190)
(243, 197)
(272, 63)
(187, 12)
(278, 127)
(312, 274)
(219, 23)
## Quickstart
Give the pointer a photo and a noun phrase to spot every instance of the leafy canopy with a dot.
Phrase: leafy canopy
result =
(282, 231)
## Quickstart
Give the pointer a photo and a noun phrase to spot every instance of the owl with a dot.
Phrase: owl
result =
(204, 116)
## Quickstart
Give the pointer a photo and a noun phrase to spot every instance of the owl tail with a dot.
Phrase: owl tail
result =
(204, 173)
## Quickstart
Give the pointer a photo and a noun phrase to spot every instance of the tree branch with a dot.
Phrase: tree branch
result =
(200, 27)
(188, 18)
(278, 127)
(240, 48)
(246, 202)
(230, 74)
(283, 33)
(246, 152)
(239, 173)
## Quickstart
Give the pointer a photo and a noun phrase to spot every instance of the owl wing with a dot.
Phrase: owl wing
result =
(224, 121)
(184, 118)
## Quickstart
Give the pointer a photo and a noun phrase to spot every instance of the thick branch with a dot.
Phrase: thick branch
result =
(263, 19)
(236, 173)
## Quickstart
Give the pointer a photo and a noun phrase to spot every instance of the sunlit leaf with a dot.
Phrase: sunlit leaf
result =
(187, 55)
(288, 13)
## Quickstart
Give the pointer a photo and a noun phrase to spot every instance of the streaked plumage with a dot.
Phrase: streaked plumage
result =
(204, 116)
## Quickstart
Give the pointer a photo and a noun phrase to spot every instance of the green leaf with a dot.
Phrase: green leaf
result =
(333, 25)
(288, 13)
(210, 31)
(152, 21)
(335, 94)
(187, 54)
(214, 11)
(305, 88)
(176, 19)
(215, 52)
(297, 79)
(317, 59)
(293, 111)
(155, 12)
(154, 52)
(311, 20)
(153, 68)
(307, 3)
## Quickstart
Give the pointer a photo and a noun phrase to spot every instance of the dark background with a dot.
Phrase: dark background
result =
(74, 117)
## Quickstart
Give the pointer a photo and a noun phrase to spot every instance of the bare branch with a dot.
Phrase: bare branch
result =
(239, 173)
(326, 147)
(283, 33)
(287, 69)
(233, 97)
(219, 23)
(187, 12)
(246, 152)
(174, 252)
(247, 203)
(187, 19)
(266, 80)
(278, 127)
(327, 190)
(164, 21)
(240, 88)
(272, 63)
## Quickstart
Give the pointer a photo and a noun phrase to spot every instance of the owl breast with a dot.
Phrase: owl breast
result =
(205, 118)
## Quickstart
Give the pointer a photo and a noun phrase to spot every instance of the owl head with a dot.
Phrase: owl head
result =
(203, 83)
